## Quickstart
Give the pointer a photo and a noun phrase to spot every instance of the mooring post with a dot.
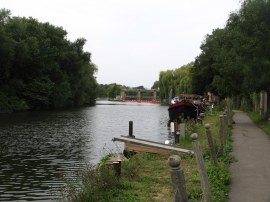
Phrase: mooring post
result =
(117, 168)
(211, 144)
(130, 134)
(178, 179)
(201, 168)
(177, 132)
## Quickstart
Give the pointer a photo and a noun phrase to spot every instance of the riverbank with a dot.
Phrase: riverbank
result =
(146, 177)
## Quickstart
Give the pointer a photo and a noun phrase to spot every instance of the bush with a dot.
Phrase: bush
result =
(95, 185)
(12, 103)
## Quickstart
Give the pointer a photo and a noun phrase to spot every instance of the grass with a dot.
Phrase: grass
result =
(146, 177)
(142, 179)
(219, 176)
(260, 121)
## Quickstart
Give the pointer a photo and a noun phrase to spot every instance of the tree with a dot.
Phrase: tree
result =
(165, 83)
(233, 58)
(41, 68)
(155, 85)
(178, 81)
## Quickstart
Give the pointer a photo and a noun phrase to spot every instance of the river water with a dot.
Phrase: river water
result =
(39, 149)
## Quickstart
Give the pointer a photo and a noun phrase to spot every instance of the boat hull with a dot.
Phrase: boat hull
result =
(184, 110)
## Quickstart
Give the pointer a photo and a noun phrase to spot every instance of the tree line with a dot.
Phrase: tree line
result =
(109, 90)
(113, 90)
(234, 61)
(40, 68)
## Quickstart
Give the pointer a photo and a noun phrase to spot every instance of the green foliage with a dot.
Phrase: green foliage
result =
(195, 194)
(235, 60)
(135, 183)
(97, 185)
(103, 160)
(41, 68)
(260, 121)
(38, 92)
(109, 90)
(219, 178)
(12, 103)
(178, 80)
(155, 85)
(191, 127)
(131, 167)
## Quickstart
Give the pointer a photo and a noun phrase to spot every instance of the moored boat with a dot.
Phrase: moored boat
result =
(186, 106)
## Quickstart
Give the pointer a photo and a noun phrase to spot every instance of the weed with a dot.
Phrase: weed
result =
(131, 168)
(219, 178)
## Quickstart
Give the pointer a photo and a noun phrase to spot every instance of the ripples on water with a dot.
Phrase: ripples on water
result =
(38, 148)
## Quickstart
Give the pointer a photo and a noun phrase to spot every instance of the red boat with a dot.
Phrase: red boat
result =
(186, 107)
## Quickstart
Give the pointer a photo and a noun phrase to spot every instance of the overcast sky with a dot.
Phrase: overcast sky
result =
(131, 41)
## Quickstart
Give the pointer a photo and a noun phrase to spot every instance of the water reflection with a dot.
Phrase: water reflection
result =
(37, 148)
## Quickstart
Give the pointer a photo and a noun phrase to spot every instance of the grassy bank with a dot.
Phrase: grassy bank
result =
(260, 121)
(146, 177)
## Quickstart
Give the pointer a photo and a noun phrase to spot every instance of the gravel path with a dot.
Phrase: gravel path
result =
(251, 173)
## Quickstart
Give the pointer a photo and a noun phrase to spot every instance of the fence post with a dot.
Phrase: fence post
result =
(225, 119)
(221, 134)
(201, 168)
(211, 144)
(178, 179)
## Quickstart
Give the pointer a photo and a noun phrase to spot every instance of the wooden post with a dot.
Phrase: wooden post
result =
(177, 133)
(225, 130)
(178, 179)
(201, 167)
(176, 137)
(117, 168)
(221, 134)
(211, 144)
(182, 130)
(176, 126)
(130, 134)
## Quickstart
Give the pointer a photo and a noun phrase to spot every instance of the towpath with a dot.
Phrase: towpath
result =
(251, 173)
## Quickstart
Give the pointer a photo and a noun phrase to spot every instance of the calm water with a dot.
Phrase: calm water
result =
(38, 148)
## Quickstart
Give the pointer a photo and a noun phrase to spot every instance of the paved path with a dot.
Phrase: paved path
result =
(251, 174)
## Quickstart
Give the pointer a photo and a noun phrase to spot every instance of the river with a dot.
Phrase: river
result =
(38, 150)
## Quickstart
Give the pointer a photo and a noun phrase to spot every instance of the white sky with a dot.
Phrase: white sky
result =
(131, 41)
